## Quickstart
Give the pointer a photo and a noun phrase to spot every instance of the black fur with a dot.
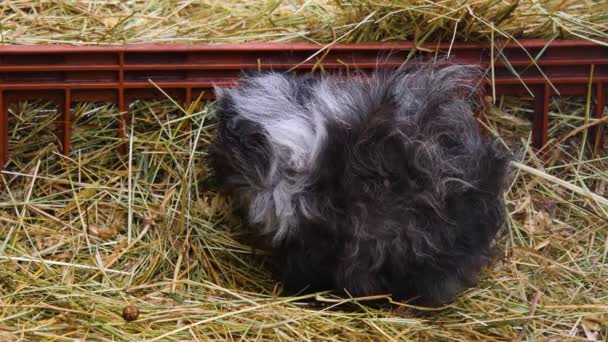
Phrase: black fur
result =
(401, 195)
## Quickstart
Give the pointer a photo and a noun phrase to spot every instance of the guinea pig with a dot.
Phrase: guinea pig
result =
(370, 184)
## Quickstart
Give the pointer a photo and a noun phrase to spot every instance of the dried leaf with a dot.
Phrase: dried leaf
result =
(521, 205)
(103, 232)
(110, 22)
(592, 324)
(538, 223)
(209, 208)
(45, 242)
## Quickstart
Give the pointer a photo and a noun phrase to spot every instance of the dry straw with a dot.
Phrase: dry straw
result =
(82, 238)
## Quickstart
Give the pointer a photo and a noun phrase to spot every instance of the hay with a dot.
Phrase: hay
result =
(231, 21)
(83, 238)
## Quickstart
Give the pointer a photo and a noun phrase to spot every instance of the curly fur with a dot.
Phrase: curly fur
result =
(378, 184)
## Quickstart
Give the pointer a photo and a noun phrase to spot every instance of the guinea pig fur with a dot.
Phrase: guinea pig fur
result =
(370, 184)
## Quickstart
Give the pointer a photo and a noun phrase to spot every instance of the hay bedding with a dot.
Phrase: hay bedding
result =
(83, 238)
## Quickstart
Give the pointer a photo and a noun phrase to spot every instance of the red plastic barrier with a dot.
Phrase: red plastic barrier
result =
(122, 74)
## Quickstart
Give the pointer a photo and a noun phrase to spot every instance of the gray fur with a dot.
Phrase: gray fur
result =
(372, 184)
